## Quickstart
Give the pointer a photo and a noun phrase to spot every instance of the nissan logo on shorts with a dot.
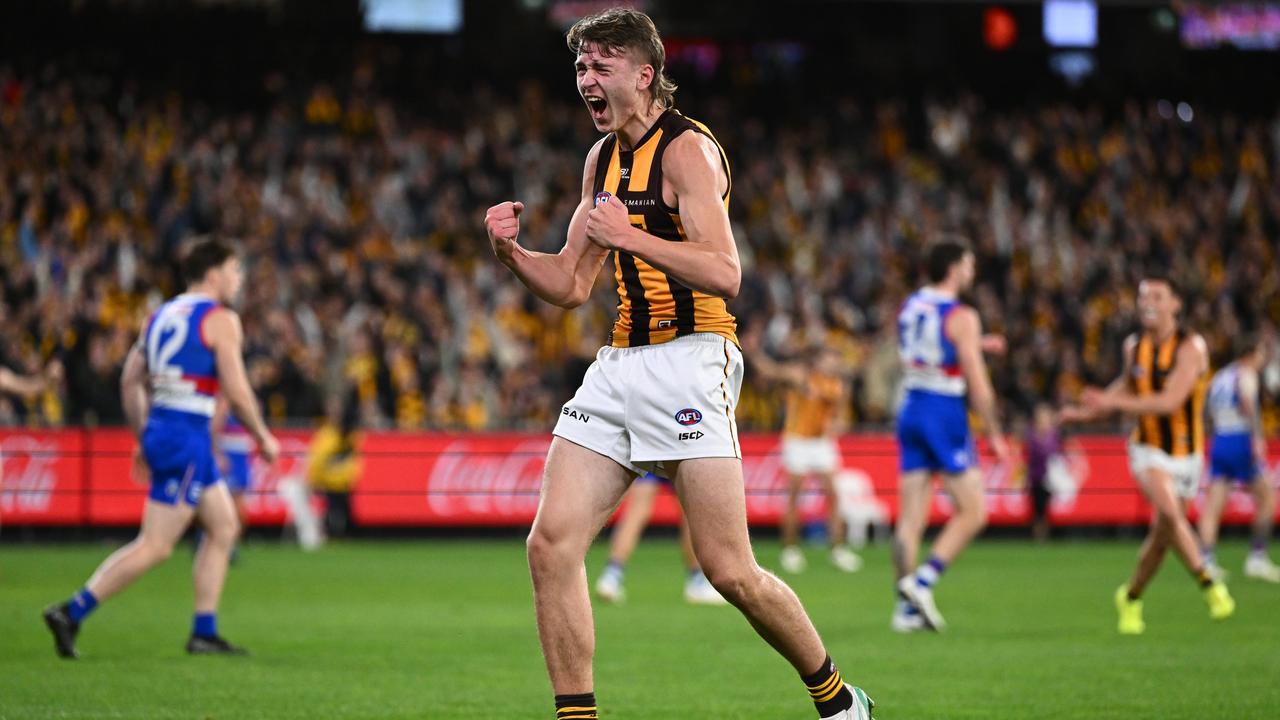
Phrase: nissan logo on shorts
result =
(689, 416)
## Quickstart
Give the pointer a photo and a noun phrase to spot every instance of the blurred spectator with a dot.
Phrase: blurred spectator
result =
(359, 219)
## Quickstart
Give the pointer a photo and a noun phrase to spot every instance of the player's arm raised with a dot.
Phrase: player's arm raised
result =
(225, 336)
(965, 330)
(1188, 365)
(708, 262)
(564, 279)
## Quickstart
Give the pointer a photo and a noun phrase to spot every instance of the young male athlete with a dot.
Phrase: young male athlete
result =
(661, 395)
(1165, 375)
(817, 399)
(1239, 454)
(940, 342)
(189, 349)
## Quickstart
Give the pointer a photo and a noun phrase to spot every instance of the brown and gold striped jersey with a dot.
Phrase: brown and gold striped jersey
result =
(1181, 432)
(654, 307)
(813, 407)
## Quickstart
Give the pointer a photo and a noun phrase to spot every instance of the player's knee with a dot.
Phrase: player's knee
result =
(155, 551)
(547, 550)
(978, 517)
(735, 581)
(223, 532)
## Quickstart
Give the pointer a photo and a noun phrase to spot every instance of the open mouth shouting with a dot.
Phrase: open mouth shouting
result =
(597, 105)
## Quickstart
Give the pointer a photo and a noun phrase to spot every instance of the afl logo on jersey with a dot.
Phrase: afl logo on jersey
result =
(689, 416)
(602, 197)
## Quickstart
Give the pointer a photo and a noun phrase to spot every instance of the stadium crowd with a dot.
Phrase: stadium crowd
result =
(367, 264)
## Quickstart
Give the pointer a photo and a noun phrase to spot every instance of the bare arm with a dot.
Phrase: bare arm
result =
(226, 338)
(1247, 387)
(134, 395)
(1081, 413)
(965, 330)
(564, 279)
(708, 262)
(1188, 365)
(22, 384)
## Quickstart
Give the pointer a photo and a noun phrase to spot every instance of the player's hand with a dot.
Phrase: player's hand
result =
(224, 463)
(53, 372)
(269, 448)
(1074, 414)
(993, 344)
(608, 222)
(141, 471)
(1095, 399)
(502, 222)
(1000, 448)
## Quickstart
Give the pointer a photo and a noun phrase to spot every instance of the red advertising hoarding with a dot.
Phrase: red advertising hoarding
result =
(83, 477)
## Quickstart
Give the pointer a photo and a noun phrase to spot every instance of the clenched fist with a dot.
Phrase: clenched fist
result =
(608, 223)
(502, 222)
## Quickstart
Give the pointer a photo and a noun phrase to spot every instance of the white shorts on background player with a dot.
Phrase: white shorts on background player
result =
(645, 405)
(1185, 470)
(802, 456)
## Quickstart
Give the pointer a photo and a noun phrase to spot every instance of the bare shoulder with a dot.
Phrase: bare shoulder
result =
(1195, 347)
(692, 150)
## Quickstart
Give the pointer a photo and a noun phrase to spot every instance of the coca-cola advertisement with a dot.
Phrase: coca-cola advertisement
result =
(84, 477)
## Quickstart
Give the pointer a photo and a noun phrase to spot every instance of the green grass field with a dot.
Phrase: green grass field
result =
(444, 629)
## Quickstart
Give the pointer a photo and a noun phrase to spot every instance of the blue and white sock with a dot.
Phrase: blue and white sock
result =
(1208, 556)
(81, 605)
(928, 574)
(615, 569)
(204, 625)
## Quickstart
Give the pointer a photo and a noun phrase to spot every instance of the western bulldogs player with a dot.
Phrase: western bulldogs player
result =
(1238, 454)
(189, 349)
(941, 344)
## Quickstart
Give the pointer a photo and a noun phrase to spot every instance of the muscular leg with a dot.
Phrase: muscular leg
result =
(1211, 515)
(1170, 529)
(162, 527)
(711, 491)
(626, 534)
(580, 488)
(218, 517)
(1264, 512)
(913, 515)
(686, 547)
(836, 531)
(1151, 555)
(969, 518)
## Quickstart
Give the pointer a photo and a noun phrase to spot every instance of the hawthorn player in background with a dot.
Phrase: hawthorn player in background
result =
(661, 395)
(1166, 371)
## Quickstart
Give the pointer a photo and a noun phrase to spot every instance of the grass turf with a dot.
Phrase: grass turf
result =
(444, 629)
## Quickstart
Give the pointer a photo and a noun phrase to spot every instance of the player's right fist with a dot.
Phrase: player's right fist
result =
(502, 222)
(269, 447)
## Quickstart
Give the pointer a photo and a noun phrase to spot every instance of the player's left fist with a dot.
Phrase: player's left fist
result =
(608, 222)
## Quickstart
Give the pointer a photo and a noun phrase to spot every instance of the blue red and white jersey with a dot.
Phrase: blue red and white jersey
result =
(930, 362)
(183, 370)
(1229, 387)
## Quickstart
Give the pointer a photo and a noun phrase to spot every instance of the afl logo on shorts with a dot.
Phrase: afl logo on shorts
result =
(689, 416)
(602, 197)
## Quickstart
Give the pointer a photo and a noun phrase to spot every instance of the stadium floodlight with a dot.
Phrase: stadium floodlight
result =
(412, 16)
(1071, 23)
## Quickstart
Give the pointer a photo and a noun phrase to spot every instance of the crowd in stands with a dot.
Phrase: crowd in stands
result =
(367, 266)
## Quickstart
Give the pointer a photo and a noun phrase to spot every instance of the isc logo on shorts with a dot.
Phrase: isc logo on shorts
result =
(689, 416)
